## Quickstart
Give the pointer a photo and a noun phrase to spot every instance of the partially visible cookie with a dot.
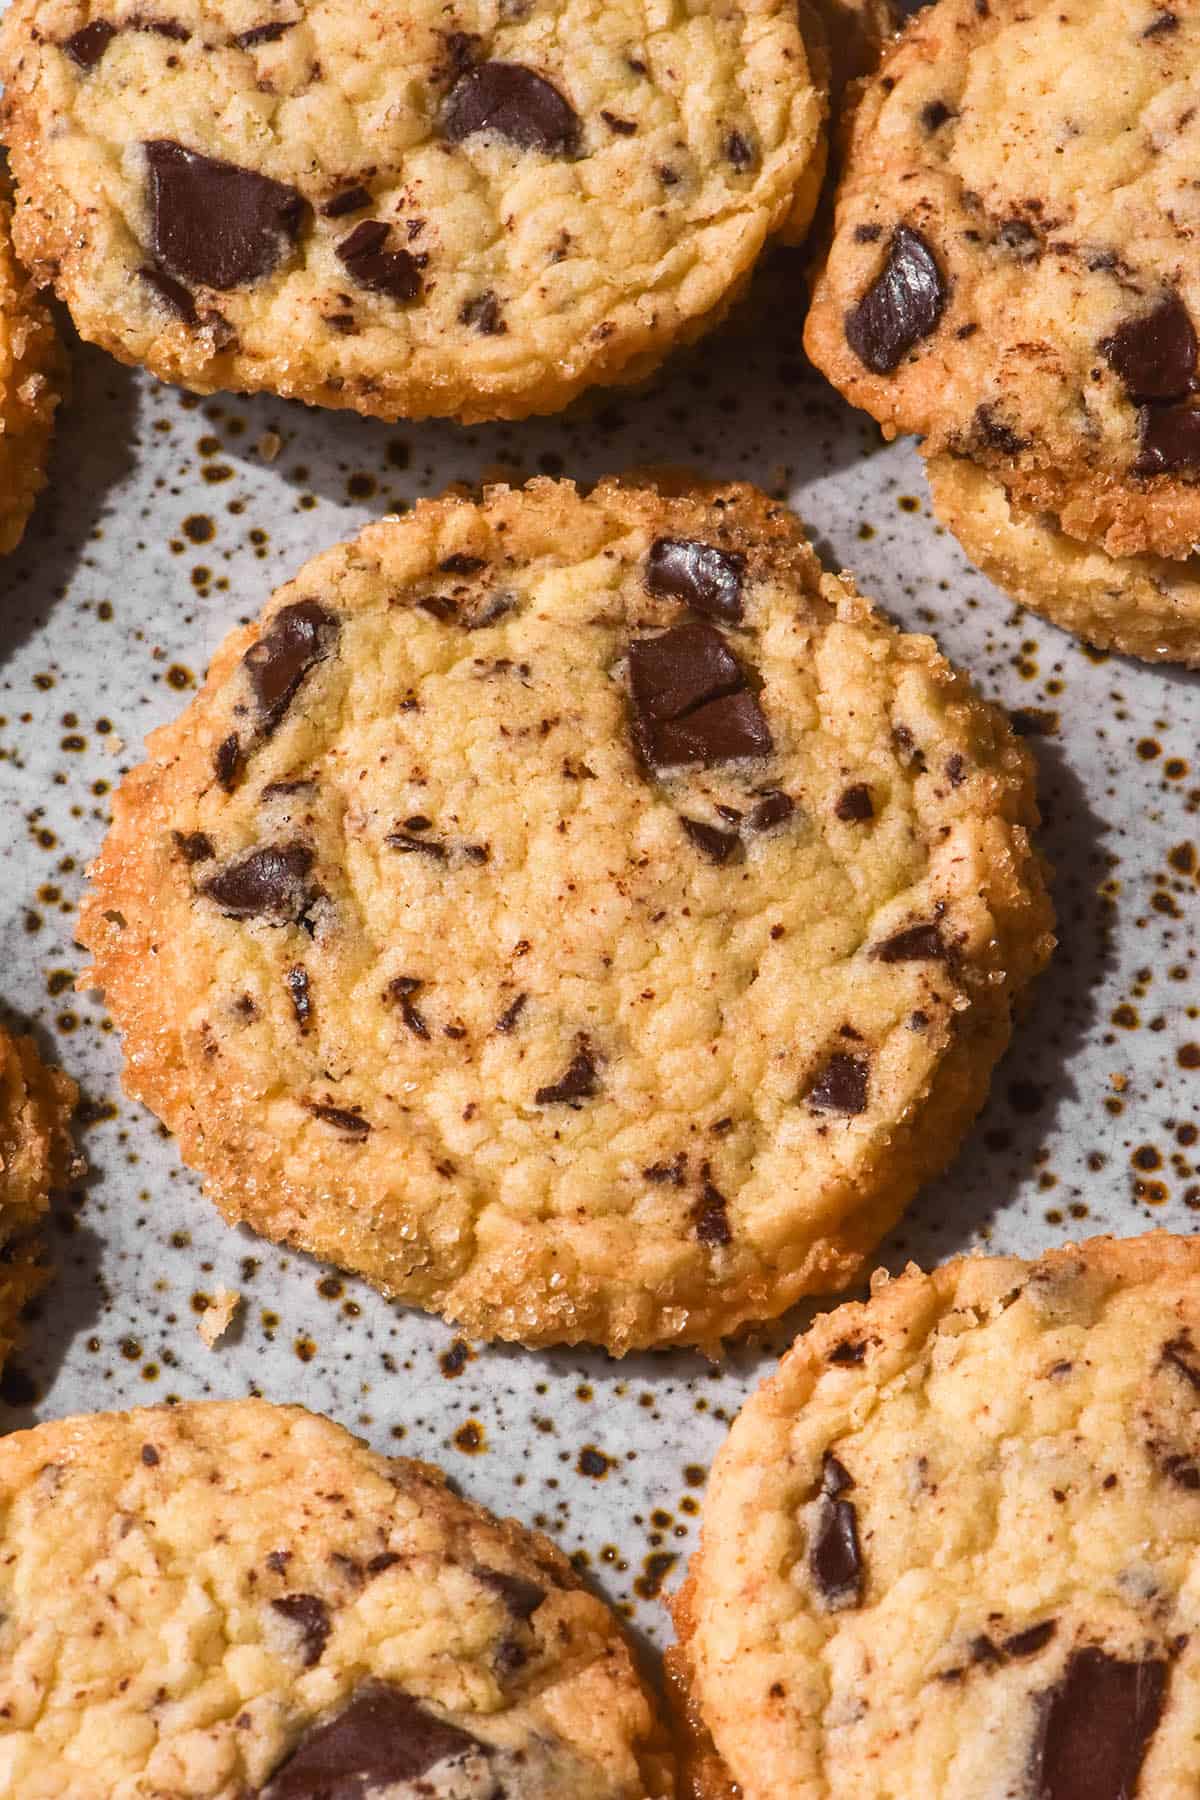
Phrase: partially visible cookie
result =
(36, 1156)
(1011, 273)
(32, 370)
(1146, 606)
(952, 1547)
(239, 1601)
(421, 209)
(580, 915)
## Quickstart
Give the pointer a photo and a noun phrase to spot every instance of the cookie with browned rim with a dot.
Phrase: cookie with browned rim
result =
(238, 1601)
(36, 1157)
(411, 209)
(578, 914)
(1012, 272)
(950, 1548)
(32, 371)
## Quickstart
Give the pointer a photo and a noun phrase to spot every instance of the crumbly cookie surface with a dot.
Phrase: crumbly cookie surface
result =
(1147, 606)
(31, 376)
(951, 1547)
(580, 915)
(477, 210)
(35, 1156)
(1011, 273)
(239, 1601)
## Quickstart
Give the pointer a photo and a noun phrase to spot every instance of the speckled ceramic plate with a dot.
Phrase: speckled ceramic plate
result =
(168, 520)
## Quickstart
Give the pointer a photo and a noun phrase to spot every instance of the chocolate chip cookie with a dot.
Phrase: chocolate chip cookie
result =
(32, 372)
(1147, 606)
(414, 210)
(579, 915)
(1011, 273)
(36, 1155)
(239, 1601)
(951, 1547)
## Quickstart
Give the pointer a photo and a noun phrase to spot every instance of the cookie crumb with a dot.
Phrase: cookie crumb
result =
(218, 1315)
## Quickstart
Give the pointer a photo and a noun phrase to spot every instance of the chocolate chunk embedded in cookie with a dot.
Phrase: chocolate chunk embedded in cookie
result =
(950, 1548)
(579, 915)
(353, 1629)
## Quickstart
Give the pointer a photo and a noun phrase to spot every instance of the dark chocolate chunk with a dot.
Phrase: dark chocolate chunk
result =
(711, 1212)
(917, 943)
(193, 846)
(227, 762)
(215, 223)
(740, 151)
(521, 1596)
(1155, 354)
(516, 103)
(383, 1736)
(578, 1083)
(717, 846)
(408, 844)
(296, 640)
(775, 808)
(86, 46)
(690, 700)
(264, 34)
(855, 806)
(1170, 439)
(341, 1118)
(902, 305)
(834, 1557)
(707, 579)
(297, 986)
(403, 989)
(1031, 1640)
(508, 1018)
(349, 200)
(483, 314)
(841, 1087)
(1096, 1726)
(395, 273)
(270, 884)
(310, 1615)
(172, 293)
(620, 127)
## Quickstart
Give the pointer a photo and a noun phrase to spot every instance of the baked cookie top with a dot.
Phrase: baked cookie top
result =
(239, 1601)
(36, 1155)
(951, 1547)
(411, 209)
(578, 914)
(32, 372)
(1012, 274)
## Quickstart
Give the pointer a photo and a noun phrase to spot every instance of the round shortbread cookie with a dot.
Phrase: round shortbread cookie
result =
(1012, 273)
(477, 210)
(1146, 606)
(239, 1601)
(36, 1156)
(577, 914)
(32, 371)
(952, 1547)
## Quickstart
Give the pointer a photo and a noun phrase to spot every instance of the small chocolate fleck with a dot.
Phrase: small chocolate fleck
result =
(508, 1019)
(214, 223)
(1154, 355)
(578, 1083)
(775, 808)
(1163, 25)
(295, 641)
(521, 1596)
(516, 103)
(341, 1118)
(1031, 1640)
(270, 884)
(86, 46)
(387, 1559)
(991, 433)
(711, 1212)
(917, 943)
(193, 846)
(739, 151)
(902, 305)
(1096, 1725)
(301, 996)
(852, 1350)
(483, 314)
(708, 579)
(383, 1737)
(395, 273)
(841, 1087)
(350, 200)
(716, 846)
(150, 1456)
(934, 114)
(1178, 1353)
(855, 805)
(403, 989)
(227, 762)
(619, 127)
(462, 564)
(264, 34)
(408, 844)
(310, 1615)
